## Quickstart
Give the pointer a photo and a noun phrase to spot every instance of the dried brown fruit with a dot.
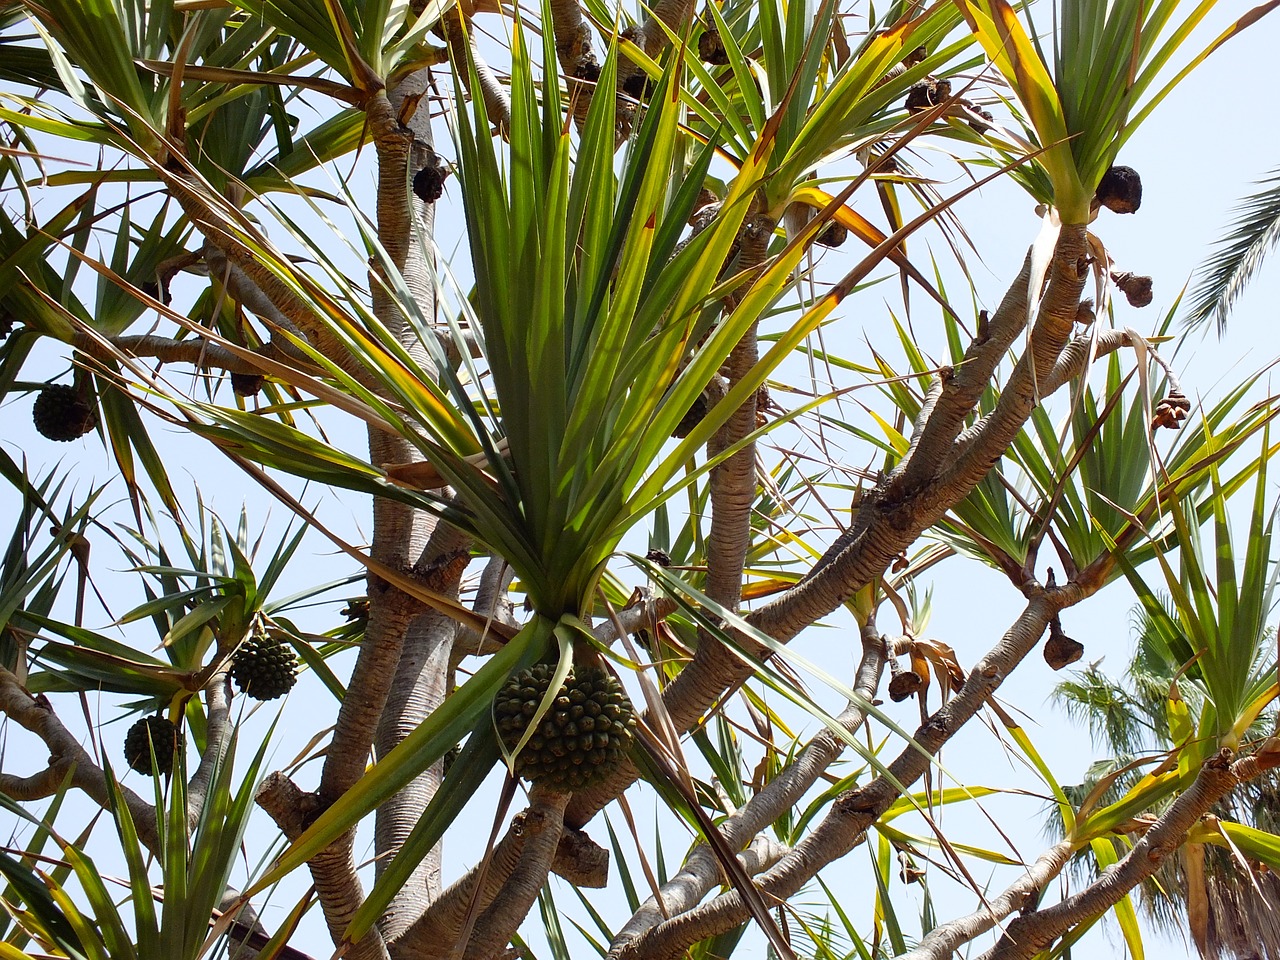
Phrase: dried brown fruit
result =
(903, 684)
(833, 235)
(587, 68)
(984, 124)
(1060, 650)
(912, 874)
(929, 92)
(247, 384)
(1171, 411)
(916, 56)
(428, 183)
(696, 413)
(711, 48)
(357, 608)
(1120, 190)
(1084, 312)
(920, 97)
(1137, 290)
(637, 86)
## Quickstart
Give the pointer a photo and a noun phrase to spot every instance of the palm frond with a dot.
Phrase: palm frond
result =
(1238, 256)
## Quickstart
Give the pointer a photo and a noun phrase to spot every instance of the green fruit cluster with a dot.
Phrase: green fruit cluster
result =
(581, 738)
(63, 413)
(147, 734)
(263, 667)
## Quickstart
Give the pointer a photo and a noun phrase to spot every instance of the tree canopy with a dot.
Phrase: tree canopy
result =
(649, 339)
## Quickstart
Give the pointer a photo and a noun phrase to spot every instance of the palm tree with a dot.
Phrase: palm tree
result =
(637, 281)
(1239, 256)
(1179, 682)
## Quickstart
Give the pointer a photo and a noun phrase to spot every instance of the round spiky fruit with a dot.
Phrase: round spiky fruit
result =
(147, 734)
(62, 413)
(582, 737)
(263, 667)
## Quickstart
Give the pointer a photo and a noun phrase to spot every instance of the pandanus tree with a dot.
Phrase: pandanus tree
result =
(642, 197)
(1218, 885)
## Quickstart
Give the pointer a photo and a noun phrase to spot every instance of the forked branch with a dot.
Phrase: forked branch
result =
(1034, 931)
(855, 811)
(893, 517)
(701, 873)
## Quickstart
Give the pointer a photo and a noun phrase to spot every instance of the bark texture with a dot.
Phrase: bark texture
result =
(901, 507)
(853, 813)
(66, 757)
(1034, 931)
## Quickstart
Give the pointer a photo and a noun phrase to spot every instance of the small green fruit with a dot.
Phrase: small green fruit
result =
(580, 739)
(263, 667)
(63, 413)
(148, 734)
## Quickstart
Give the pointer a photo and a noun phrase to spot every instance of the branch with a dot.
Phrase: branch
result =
(945, 939)
(217, 737)
(399, 532)
(37, 786)
(633, 619)
(649, 36)
(420, 685)
(490, 601)
(462, 44)
(581, 860)
(573, 38)
(246, 933)
(66, 756)
(1073, 360)
(961, 391)
(443, 925)
(888, 522)
(701, 873)
(497, 924)
(232, 251)
(248, 292)
(732, 484)
(578, 63)
(854, 811)
(338, 887)
(978, 449)
(391, 611)
(1032, 932)
(201, 354)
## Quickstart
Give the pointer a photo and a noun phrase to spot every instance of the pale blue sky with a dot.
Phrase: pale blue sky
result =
(1197, 156)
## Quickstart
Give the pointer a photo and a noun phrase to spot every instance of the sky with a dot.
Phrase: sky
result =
(1197, 155)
